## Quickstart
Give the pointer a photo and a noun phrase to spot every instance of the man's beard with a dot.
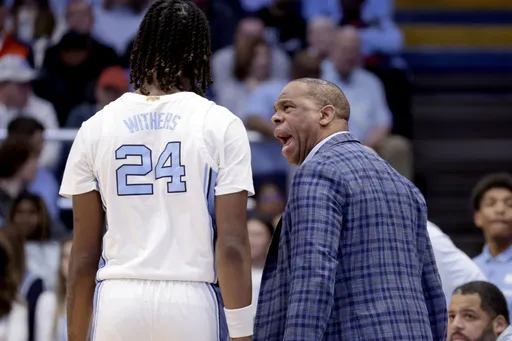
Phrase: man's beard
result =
(487, 335)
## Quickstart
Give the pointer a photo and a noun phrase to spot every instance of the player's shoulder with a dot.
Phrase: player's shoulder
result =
(96, 121)
(219, 117)
(93, 123)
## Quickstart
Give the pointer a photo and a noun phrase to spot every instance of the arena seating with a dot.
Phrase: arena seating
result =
(461, 56)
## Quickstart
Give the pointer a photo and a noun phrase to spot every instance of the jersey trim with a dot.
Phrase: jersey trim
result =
(210, 179)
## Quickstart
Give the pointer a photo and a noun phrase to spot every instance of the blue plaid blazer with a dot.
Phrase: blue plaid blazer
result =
(352, 260)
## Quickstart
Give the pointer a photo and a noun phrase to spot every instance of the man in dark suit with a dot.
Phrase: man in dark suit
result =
(351, 259)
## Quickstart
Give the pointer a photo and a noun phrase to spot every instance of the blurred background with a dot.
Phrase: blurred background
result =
(429, 84)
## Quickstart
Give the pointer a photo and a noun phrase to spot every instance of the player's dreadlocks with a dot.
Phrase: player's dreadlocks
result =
(173, 43)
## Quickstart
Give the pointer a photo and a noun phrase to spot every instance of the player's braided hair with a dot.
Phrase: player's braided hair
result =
(172, 48)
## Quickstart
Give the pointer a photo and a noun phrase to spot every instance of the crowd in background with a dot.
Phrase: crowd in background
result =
(62, 61)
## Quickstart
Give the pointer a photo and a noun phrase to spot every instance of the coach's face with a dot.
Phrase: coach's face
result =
(298, 120)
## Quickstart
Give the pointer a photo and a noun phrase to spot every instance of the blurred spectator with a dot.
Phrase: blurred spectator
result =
(252, 6)
(13, 314)
(267, 161)
(370, 118)
(223, 60)
(31, 287)
(379, 34)
(492, 207)
(284, 24)
(44, 184)
(17, 99)
(78, 18)
(18, 166)
(32, 19)
(60, 313)
(477, 312)
(319, 39)
(224, 16)
(112, 83)
(260, 234)
(251, 68)
(34, 23)
(29, 214)
(381, 43)
(116, 21)
(373, 18)
(52, 306)
(70, 70)
(270, 201)
(9, 43)
(454, 266)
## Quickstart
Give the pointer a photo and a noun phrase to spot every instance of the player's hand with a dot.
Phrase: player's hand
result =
(246, 338)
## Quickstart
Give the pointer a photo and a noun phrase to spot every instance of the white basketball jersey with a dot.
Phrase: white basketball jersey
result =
(157, 163)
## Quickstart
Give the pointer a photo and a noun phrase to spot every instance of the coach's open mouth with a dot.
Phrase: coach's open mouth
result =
(285, 139)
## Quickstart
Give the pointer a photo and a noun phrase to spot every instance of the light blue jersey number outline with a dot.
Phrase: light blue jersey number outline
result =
(175, 170)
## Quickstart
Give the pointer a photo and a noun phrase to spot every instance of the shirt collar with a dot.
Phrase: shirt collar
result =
(504, 257)
(320, 144)
(506, 333)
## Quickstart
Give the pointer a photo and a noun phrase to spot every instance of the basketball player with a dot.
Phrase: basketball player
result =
(168, 173)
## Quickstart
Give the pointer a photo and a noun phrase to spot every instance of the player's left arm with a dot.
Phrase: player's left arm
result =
(316, 219)
(80, 184)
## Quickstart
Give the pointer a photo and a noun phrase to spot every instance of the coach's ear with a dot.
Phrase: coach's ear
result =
(327, 114)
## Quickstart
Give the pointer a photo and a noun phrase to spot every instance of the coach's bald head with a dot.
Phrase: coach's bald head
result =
(307, 111)
(327, 93)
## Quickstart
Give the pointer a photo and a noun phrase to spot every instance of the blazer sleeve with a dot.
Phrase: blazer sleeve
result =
(433, 290)
(315, 210)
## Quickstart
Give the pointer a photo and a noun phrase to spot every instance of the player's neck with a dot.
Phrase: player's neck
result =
(156, 91)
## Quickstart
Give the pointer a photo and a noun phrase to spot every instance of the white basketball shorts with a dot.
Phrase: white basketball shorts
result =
(137, 310)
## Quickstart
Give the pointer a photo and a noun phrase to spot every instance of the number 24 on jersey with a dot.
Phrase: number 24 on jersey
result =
(172, 172)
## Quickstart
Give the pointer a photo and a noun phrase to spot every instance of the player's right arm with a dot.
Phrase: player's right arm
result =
(232, 251)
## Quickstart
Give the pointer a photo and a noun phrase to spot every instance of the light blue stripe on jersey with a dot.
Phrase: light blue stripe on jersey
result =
(222, 332)
(96, 300)
(103, 259)
(210, 179)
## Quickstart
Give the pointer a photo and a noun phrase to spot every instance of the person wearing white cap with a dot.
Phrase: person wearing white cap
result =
(17, 99)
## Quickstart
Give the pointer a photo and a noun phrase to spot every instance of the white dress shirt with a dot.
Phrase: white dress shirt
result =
(506, 335)
(454, 266)
(14, 326)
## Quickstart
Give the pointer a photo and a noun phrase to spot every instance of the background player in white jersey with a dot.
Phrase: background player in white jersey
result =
(168, 173)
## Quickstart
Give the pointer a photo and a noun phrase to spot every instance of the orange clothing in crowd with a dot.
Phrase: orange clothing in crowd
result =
(11, 45)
